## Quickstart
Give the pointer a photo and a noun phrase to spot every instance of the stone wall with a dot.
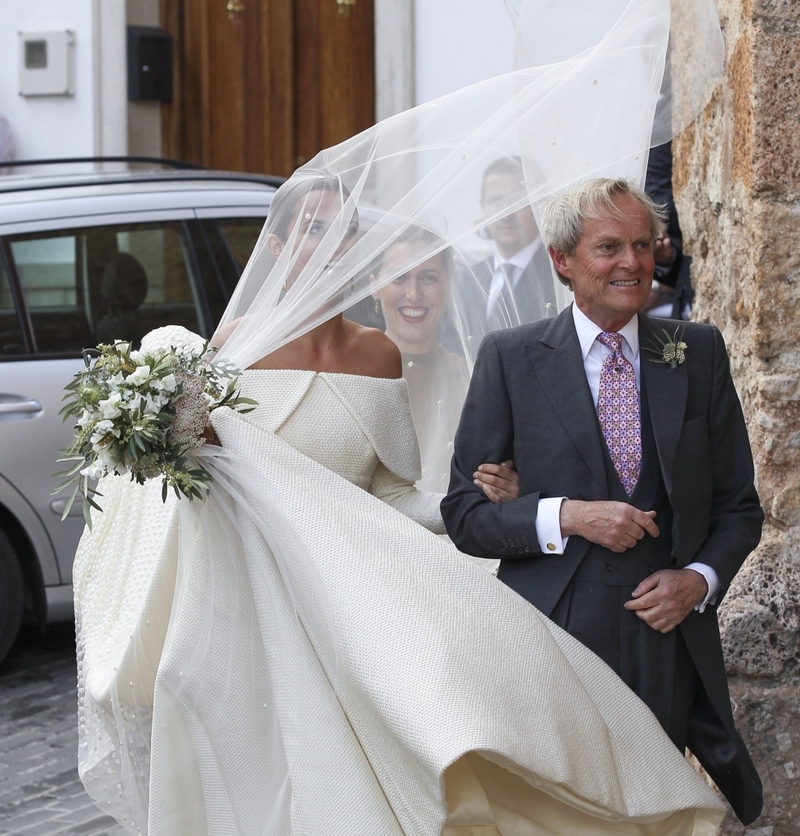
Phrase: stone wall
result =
(737, 180)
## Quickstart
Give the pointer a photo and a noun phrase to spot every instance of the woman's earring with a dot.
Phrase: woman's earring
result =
(377, 306)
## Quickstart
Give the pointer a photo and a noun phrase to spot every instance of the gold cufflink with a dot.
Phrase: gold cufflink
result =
(551, 546)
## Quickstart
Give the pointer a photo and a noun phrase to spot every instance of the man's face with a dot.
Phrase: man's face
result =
(516, 230)
(611, 271)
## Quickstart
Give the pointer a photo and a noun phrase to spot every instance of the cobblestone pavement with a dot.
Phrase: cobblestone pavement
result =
(40, 793)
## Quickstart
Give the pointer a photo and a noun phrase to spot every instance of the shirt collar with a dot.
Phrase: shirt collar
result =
(521, 259)
(588, 331)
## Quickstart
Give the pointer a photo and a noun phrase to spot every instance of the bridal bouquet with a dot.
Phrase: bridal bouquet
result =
(142, 414)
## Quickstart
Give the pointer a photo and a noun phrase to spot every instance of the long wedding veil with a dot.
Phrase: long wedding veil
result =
(588, 97)
(396, 227)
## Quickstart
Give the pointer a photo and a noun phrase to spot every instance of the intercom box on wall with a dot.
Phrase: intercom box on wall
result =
(149, 64)
(46, 63)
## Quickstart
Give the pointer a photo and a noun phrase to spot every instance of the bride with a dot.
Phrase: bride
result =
(299, 653)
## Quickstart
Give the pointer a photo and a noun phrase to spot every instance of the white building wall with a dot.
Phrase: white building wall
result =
(94, 120)
(425, 49)
(458, 43)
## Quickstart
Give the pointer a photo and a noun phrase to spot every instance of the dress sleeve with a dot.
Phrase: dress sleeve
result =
(383, 412)
(402, 495)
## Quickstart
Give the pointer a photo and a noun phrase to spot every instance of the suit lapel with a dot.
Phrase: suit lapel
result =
(557, 362)
(666, 395)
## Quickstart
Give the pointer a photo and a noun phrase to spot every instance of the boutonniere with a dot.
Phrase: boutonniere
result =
(670, 348)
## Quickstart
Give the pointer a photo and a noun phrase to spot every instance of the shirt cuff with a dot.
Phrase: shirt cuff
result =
(713, 584)
(548, 525)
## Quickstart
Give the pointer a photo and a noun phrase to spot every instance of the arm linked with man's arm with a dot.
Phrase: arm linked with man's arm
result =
(486, 434)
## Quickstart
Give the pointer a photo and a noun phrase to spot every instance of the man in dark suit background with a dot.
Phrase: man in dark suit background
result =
(637, 505)
(515, 284)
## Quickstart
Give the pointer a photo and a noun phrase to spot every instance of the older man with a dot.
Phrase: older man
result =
(637, 504)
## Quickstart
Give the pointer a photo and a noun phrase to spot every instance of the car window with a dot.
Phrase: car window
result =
(240, 235)
(97, 284)
(10, 332)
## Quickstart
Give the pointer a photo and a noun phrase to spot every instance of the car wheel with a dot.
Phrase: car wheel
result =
(12, 590)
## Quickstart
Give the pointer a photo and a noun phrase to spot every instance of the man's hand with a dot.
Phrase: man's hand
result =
(615, 525)
(662, 249)
(500, 482)
(665, 598)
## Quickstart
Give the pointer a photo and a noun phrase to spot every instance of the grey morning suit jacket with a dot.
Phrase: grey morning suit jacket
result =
(529, 401)
(532, 299)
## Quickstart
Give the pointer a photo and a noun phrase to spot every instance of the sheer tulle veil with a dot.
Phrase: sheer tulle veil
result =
(404, 200)
(588, 98)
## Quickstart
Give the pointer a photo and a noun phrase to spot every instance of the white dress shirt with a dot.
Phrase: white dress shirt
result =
(519, 261)
(548, 527)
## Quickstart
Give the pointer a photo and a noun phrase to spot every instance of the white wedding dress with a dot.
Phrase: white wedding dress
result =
(298, 656)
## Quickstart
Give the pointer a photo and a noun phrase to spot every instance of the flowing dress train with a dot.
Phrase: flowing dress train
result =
(298, 655)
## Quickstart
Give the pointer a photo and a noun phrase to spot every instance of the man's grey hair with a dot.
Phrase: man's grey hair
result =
(564, 217)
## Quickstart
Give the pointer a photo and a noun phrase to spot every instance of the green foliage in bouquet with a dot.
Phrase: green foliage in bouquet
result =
(142, 414)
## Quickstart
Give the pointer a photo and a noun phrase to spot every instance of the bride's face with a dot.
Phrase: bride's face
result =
(312, 220)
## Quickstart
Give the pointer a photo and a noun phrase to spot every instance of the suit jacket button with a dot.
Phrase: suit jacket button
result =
(608, 567)
(550, 547)
(527, 549)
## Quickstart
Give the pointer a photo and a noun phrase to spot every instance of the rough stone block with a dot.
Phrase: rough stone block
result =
(760, 616)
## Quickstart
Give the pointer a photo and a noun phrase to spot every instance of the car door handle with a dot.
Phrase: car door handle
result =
(57, 506)
(14, 406)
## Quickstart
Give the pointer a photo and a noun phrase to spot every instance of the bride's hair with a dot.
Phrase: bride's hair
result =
(289, 196)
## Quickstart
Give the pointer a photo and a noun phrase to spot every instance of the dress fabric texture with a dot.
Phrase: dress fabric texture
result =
(298, 655)
(437, 385)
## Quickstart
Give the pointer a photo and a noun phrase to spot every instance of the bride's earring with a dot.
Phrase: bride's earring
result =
(377, 306)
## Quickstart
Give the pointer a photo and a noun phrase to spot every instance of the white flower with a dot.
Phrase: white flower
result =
(168, 383)
(93, 471)
(110, 407)
(137, 357)
(151, 405)
(85, 420)
(139, 376)
(101, 431)
(106, 461)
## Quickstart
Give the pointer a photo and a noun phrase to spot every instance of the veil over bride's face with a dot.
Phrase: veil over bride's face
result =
(304, 225)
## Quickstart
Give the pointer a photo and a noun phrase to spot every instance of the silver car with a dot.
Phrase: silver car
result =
(89, 258)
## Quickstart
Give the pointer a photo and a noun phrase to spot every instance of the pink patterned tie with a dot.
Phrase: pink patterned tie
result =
(618, 410)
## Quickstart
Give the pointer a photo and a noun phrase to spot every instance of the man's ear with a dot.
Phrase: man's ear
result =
(274, 244)
(560, 262)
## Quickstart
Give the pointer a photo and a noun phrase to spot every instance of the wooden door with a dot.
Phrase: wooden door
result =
(267, 90)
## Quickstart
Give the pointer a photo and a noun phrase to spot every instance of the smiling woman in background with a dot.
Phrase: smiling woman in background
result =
(413, 304)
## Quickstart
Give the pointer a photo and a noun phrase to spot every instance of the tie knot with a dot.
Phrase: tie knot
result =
(508, 271)
(611, 339)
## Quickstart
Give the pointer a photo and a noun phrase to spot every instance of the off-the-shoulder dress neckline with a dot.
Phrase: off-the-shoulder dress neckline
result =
(327, 374)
